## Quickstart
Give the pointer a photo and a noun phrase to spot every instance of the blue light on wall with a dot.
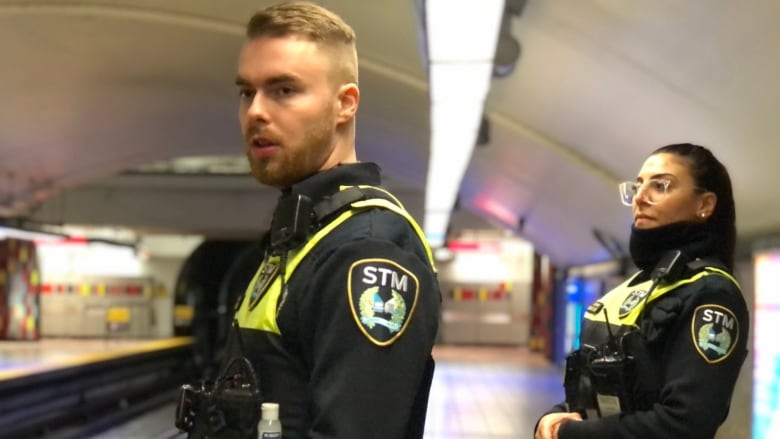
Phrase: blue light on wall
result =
(573, 295)
(580, 293)
(574, 306)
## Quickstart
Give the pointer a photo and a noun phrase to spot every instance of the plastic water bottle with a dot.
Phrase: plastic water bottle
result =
(269, 426)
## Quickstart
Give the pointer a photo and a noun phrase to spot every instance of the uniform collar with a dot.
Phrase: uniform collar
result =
(647, 246)
(328, 182)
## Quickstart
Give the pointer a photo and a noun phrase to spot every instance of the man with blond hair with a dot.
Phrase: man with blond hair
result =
(341, 317)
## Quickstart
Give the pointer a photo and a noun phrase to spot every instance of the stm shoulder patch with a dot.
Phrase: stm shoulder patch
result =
(715, 330)
(382, 297)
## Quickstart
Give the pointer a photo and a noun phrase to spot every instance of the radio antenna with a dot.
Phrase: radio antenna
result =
(612, 340)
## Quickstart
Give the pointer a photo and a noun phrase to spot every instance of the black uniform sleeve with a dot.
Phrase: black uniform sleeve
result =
(371, 317)
(704, 352)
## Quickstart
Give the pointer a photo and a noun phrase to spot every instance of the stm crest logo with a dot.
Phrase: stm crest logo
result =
(715, 331)
(382, 296)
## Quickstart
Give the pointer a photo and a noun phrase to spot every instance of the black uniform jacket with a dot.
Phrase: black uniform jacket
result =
(693, 382)
(336, 371)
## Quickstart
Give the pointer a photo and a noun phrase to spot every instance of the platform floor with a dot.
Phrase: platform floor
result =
(23, 358)
(477, 393)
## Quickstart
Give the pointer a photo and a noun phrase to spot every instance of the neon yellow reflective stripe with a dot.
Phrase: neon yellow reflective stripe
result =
(724, 274)
(378, 189)
(613, 300)
(297, 257)
(378, 202)
(263, 315)
(634, 314)
(398, 208)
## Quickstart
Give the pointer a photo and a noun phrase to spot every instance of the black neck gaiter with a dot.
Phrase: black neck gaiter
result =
(648, 245)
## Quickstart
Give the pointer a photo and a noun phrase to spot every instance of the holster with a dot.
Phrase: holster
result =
(577, 385)
(229, 409)
(598, 384)
(612, 377)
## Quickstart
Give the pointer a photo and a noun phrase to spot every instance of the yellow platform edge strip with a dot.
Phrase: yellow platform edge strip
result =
(138, 347)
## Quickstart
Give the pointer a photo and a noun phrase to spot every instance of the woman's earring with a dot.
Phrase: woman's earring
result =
(702, 214)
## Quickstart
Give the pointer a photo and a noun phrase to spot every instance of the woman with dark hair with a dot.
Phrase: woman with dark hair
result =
(660, 354)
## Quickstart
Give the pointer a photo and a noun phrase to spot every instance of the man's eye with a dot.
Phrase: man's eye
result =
(285, 91)
(246, 93)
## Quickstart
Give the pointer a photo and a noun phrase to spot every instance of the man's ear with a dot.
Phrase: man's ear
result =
(349, 99)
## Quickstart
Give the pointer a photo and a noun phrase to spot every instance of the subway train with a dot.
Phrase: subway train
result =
(504, 127)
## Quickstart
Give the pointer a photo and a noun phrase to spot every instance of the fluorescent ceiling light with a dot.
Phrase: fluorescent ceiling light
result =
(460, 83)
(461, 44)
(453, 134)
(435, 226)
(454, 128)
(462, 30)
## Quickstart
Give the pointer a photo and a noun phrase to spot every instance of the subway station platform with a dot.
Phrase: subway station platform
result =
(25, 359)
(57, 387)
(477, 393)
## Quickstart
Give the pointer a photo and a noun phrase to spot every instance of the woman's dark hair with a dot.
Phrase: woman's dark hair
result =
(710, 174)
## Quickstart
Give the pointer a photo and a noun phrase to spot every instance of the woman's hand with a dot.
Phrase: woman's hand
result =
(549, 424)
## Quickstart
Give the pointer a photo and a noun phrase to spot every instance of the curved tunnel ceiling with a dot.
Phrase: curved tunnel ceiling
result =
(91, 89)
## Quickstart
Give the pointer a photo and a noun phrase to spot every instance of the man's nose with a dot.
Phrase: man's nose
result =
(257, 108)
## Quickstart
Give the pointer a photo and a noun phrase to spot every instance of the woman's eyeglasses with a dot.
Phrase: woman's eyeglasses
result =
(655, 189)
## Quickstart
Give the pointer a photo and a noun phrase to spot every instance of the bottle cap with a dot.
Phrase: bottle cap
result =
(270, 410)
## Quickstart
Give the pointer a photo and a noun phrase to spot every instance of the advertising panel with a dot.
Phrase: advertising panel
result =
(766, 350)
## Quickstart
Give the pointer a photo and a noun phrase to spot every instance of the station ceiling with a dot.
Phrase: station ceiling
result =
(99, 97)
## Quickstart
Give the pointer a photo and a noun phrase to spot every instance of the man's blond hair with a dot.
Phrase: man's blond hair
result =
(314, 23)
